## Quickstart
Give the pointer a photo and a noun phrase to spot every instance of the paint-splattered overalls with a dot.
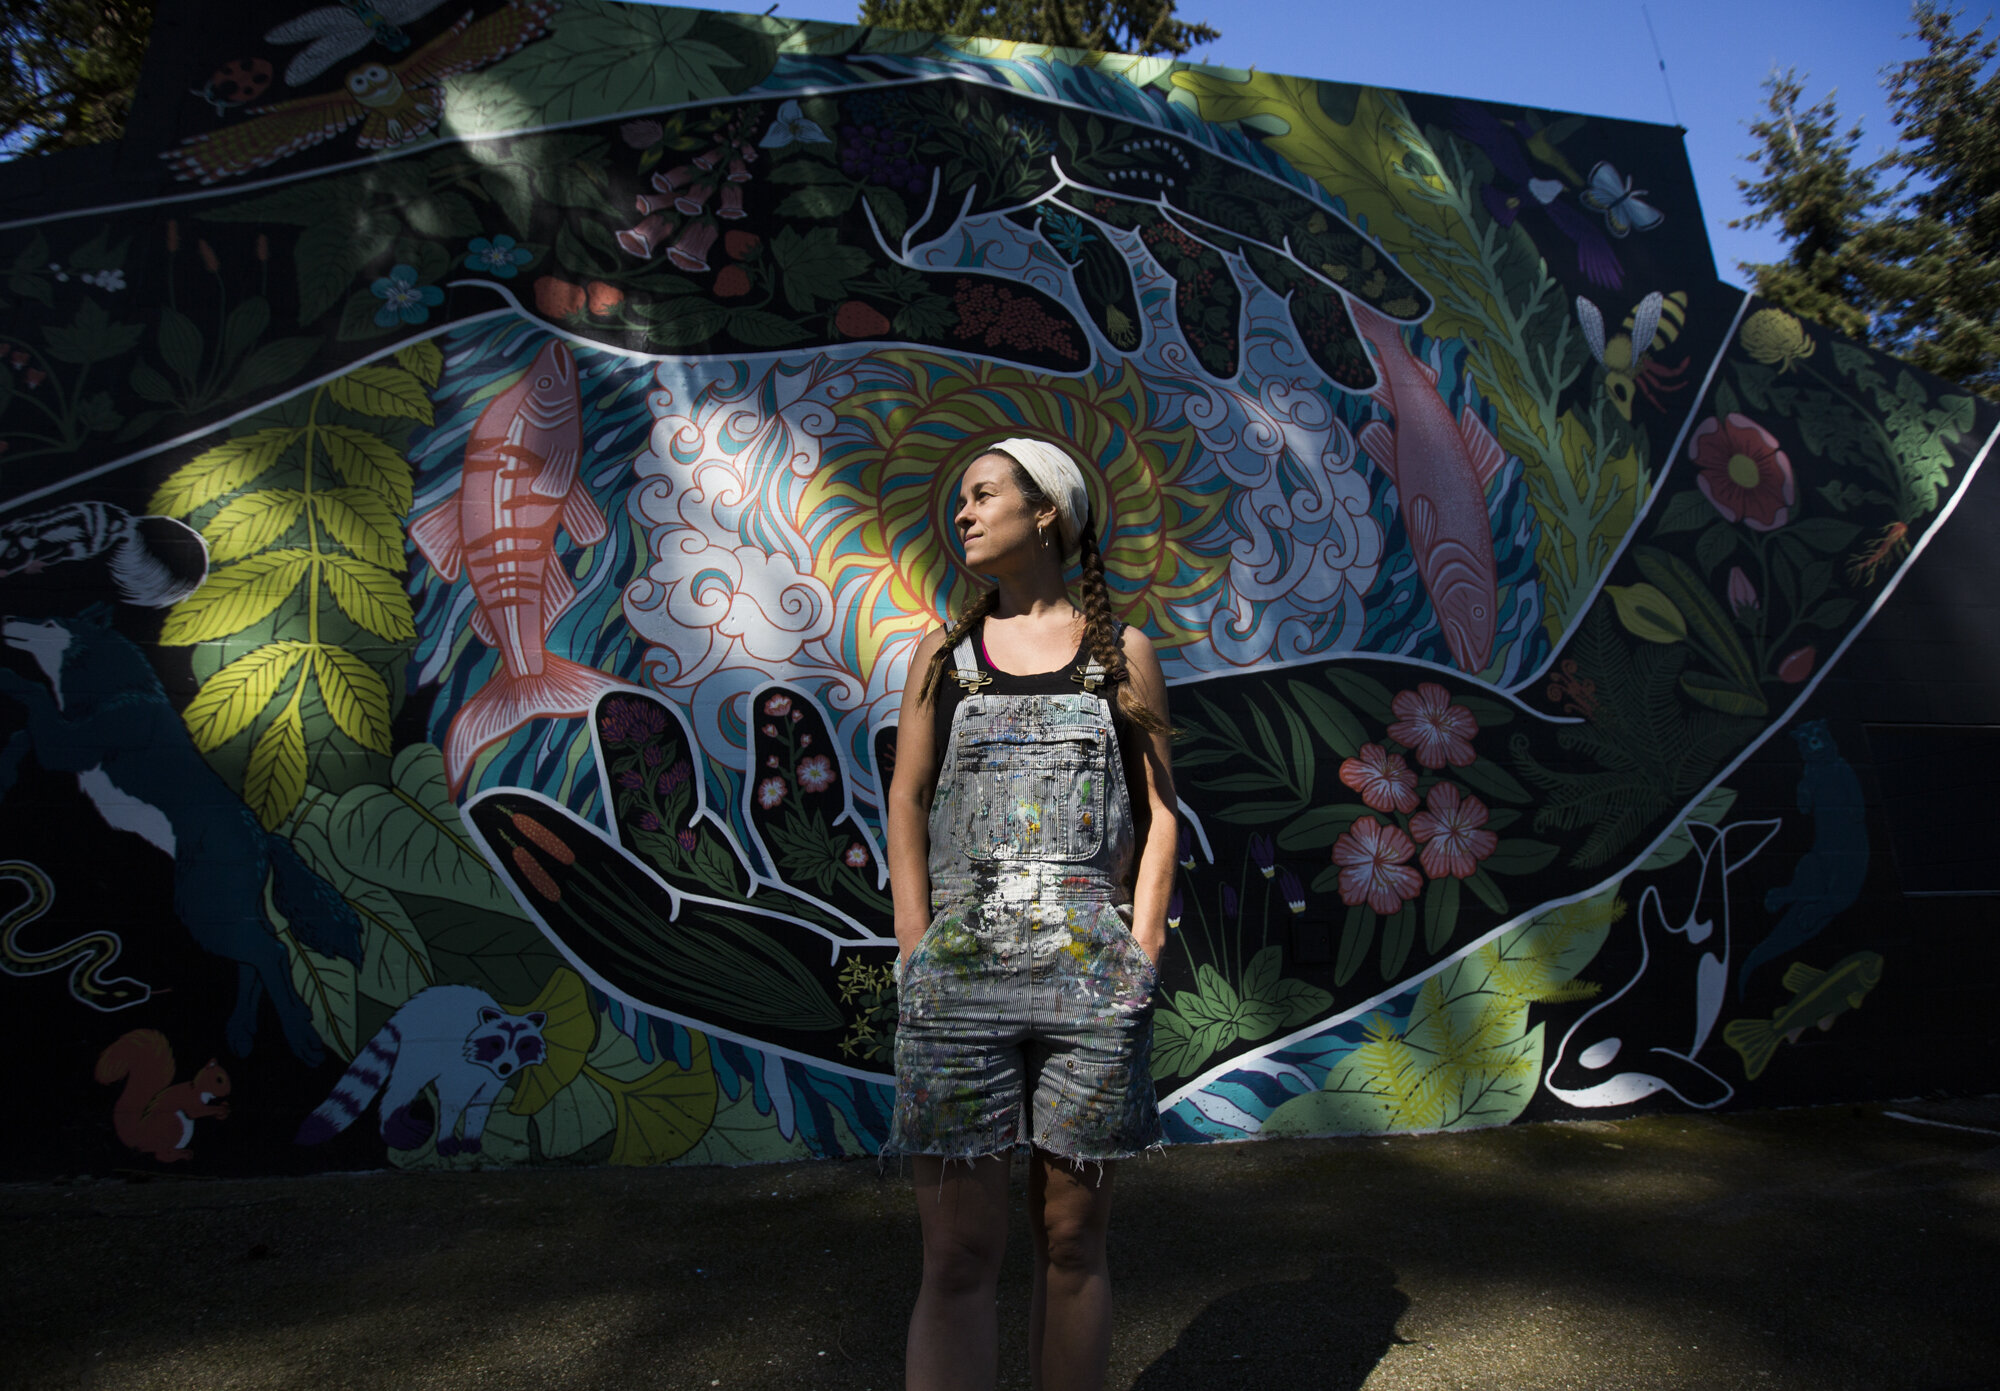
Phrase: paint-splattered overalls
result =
(1028, 987)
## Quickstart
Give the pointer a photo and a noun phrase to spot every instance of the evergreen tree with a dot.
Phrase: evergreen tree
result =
(1913, 267)
(1114, 26)
(70, 70)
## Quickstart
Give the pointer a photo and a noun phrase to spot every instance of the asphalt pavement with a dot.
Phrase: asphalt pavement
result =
(1812, 1250)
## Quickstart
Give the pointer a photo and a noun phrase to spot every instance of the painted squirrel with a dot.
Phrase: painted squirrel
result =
(154, 1114)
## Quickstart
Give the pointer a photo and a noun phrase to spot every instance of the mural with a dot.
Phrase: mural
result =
(468, 505)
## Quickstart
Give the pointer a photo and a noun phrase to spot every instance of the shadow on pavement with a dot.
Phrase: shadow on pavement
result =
(1340, 1321)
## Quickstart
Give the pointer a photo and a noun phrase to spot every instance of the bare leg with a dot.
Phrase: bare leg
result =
(1069, 1322)
(955, 1330)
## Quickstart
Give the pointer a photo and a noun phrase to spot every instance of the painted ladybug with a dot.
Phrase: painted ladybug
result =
(237, 81)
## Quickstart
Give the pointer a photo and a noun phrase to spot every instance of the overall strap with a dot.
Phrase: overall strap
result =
(968, 673)
(1092, 673)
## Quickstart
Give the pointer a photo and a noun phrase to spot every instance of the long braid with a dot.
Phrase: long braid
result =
(984, 603)
(1101, 631)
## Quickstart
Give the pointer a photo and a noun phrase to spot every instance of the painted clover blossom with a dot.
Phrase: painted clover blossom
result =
(770, 792)
(1374, 869)
(1432, 728)
(816, 773)
(1451, 828)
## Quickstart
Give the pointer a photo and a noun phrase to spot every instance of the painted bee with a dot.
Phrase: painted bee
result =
(1630, 369)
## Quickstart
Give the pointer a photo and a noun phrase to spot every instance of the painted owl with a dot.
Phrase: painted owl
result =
(395, 104)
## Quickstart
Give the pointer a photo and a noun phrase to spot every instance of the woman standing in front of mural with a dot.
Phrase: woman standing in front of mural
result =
(1031, 896)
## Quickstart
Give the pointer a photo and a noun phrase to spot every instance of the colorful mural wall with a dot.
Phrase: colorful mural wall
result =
(471, 484)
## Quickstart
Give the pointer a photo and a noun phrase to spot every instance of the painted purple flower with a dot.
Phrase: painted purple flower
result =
(1264, 854)
(648, 821)
(1174, 909)
(816, 773)
(687, 840)
(631, 779)
(1293, 890)
(770, 792)
(1186, 854)
(1742, 593)
(630, 721)
(674, 777)
(1229, 903)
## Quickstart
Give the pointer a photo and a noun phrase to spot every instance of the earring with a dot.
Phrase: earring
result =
(1045, 536)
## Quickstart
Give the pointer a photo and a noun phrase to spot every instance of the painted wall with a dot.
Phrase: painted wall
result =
(471, 489)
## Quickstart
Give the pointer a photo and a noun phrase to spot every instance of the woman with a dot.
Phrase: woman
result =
(1031, 852)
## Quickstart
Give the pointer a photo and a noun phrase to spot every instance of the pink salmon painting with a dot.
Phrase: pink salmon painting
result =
(1440, 467)
(519, 482)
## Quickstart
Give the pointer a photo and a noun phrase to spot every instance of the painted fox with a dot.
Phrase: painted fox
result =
(105, 717)
(454, 1035)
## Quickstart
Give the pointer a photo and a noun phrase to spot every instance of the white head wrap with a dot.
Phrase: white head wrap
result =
(1056, 473)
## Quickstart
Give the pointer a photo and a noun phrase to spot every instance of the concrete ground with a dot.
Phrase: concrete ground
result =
(1819, 1250)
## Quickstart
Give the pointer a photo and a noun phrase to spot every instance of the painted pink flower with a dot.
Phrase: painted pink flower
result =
(640, 241)
(856, 856)
(1740, 468)
(770, 792)
(769, 731)
(1451, 828)
(1373, 866)
(1742, 593)
(778, 705)
(816, 773)
(1432, 728)
(690, 249)
(1383, 779)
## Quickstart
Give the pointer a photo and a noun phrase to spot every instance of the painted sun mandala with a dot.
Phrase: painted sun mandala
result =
(878, 514)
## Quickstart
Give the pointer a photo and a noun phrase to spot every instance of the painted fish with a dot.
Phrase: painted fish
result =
(1818, 997)
(1440, 467)
(517, 486)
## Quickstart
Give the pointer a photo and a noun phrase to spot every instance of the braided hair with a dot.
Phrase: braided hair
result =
(1100, 627)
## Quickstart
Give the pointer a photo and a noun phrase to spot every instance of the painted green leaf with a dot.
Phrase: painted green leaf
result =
(573, 1119)
(355, 694)
(1718, 694)
(1440, 913)
(1647, 613)
(569, 1034)
(1320, 827)
(245, 325)
(369, 595)
(235, 596)
(367, 461)
(1398, 934)
(362, 520)
(662, 1114)
(1357, 934)
(818, 201)
(383, 391)
(249, 523)
(1686, 511)
(229, 700)
(91, 336)
(275, 777)
(328, 255)
(211, 474)
(816, 265)
(1492, 782)
(395, 962)
(180, 343)
(1671, 851)
(272, 364)
(326, 983)
(408, 837)
(423, 361)
(1519, 857)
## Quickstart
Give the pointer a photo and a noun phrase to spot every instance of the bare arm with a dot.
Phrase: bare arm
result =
(910, 794)
(1153, 805)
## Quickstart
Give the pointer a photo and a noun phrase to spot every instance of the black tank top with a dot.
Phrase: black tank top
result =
(1061, 681)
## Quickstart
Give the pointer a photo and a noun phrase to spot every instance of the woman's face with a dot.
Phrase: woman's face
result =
(994, 520)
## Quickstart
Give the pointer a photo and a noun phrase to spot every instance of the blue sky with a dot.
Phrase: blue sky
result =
(1576, 55)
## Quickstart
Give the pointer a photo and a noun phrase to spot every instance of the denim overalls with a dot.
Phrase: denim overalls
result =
(1028, 998)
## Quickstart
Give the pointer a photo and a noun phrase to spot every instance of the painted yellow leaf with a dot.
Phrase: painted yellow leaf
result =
(276, 776)
(251, 522)
(1647, 613)
(371, 596)
(355, 695)
(422, 359)
(569, 1032)
(367, 461)
(235, 596)
(664, 1113)
(215, 472)
(229, 700)
(360, 520)
(383, 391)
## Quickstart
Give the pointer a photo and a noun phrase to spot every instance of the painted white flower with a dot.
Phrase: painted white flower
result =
(791, 124)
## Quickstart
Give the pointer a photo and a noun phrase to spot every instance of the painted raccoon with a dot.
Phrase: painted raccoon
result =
(454, 1035)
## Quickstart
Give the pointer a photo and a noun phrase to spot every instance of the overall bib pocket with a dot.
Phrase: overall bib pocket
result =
(1010, 800)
